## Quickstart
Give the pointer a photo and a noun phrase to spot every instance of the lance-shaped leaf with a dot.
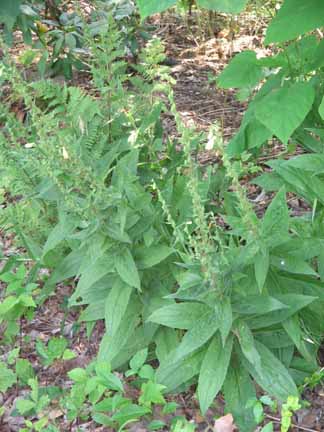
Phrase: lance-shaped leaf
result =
(116, 305)
(126, 268)
(274, 377)
(213, 370)
(179, 315)
(197, 336)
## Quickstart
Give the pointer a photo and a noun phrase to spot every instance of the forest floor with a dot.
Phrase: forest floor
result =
(197, 60)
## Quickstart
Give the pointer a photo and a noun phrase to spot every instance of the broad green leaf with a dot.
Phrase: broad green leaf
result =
(255, 134)
(8, 304)
(24, 406)
(269, 181)
(9, 11)
(302, 248)
(179, 315)
(293, 329)
(130, 412)
(293, 264)
(95, 292)
(93, 312)
(213, 371)
(238, 390)
(12, 356)
(126, 268)
(68, 354)
(226, 6)
(111, 345)
(59, 233)
(147, 257)
(257, 305)
(224, 316)
(151, 392)
(108, 379)
(102, 419)
(78, 375)
(247, 345)
(137, 340)
(308, 162)
(299, 181)
(321, 109)
(174, 374)
(294, 18)
(261, 267)
(68, 267)
(275, 378)
(90, 276)
(166, 340)
(283, 110)
(151, 7)
(116, 305)
(275, 223)
(27, 300)
(56, 346)
(267, 428)
(138, 360)
(205, 327)
(242, 71)
(7, 377)
(295, 302)
(274, 338)
(156, 425)
(321, 265)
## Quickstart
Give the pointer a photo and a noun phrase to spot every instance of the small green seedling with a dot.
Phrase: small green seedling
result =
(34, 405)
(18, 301)
(182, 425)
(56, 349)
(287, 411)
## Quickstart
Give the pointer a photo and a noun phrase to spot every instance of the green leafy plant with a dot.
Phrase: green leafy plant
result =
(154, 6)
(35, 404)
(56, 349)
(287, 411)
(101, 388)
(183, 426)
(315, 379)
(18, 301)
(8, 377)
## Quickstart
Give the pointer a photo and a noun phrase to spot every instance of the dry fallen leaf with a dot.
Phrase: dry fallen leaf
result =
(55, 413)
(225, 424)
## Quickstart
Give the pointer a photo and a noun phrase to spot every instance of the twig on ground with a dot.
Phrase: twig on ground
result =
(277, 420)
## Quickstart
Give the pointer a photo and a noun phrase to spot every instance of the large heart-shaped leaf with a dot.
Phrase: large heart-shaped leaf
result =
(283, 110)
(295, 17)
(242, 71)
(151, 7)
(173, 375)
(227, 6)
(9, 10)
